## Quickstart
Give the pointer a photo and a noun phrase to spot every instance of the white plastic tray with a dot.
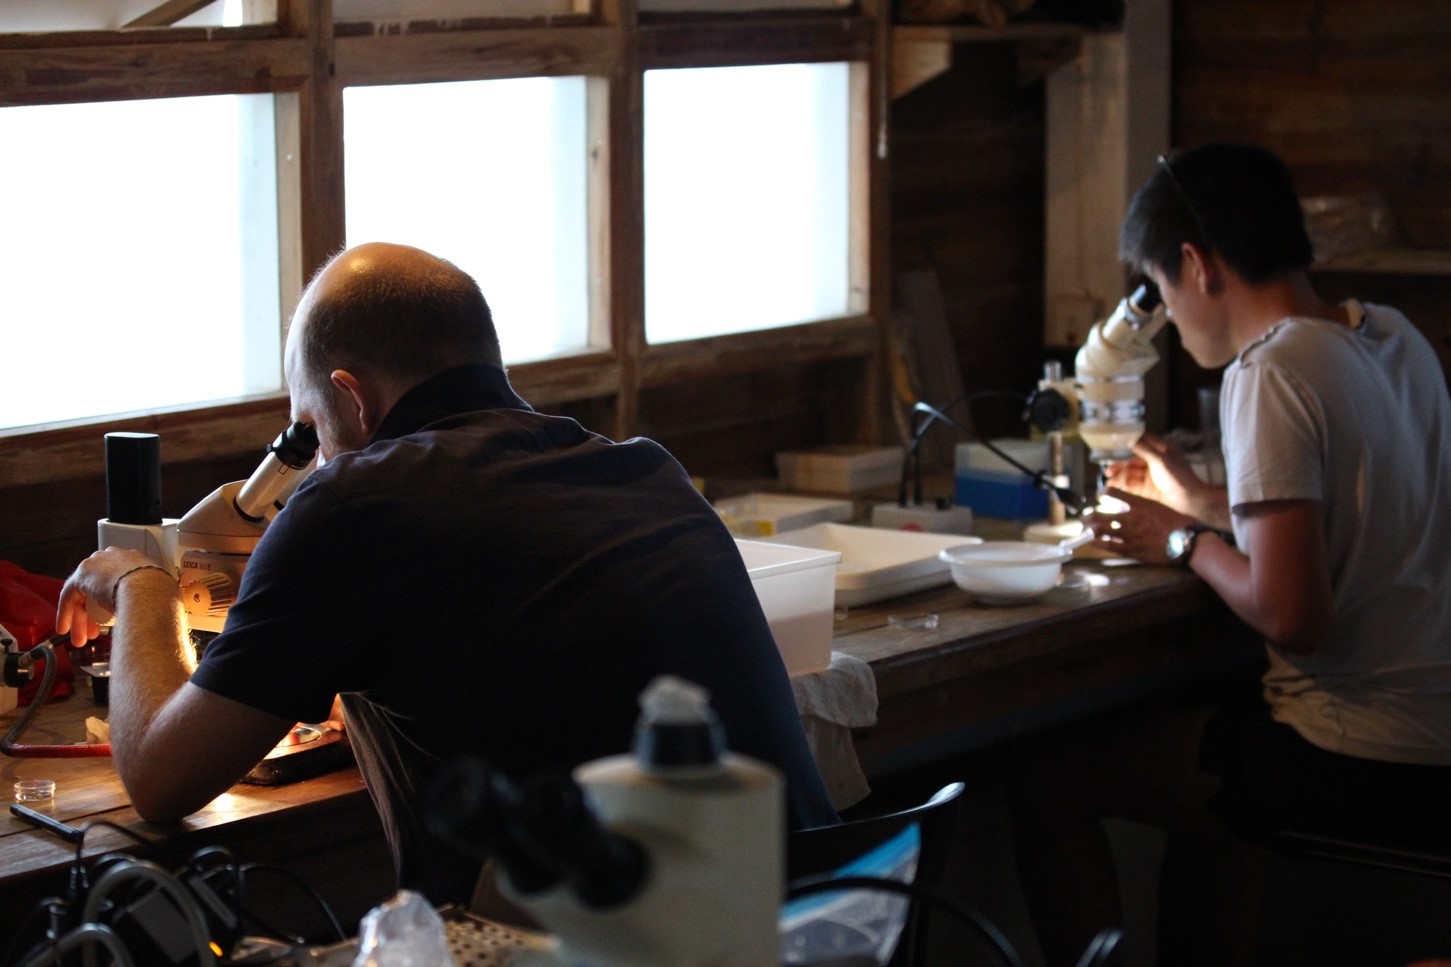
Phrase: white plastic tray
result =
(877, 563)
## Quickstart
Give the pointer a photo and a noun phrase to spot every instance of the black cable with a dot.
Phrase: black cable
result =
(272, 931)
(912, 456)
(303, 885)
(828, 884)
(76, 888)
(93, 824)
(1041, 478)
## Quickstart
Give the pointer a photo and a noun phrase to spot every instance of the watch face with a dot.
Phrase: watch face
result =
(1181, 543)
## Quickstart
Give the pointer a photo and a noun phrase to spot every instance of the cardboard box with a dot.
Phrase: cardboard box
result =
(761, 515)
(840, 469)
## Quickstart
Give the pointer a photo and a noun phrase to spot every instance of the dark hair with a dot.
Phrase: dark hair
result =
(1235, 200)
(407, 323)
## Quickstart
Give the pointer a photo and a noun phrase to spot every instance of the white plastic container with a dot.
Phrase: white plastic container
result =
(876, 563)
(796, 587)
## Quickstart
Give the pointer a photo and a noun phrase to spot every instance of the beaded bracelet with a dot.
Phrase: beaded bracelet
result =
(116, 587)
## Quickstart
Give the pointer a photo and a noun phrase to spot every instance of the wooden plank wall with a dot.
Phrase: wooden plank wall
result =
(1355, 95)
(967, 202)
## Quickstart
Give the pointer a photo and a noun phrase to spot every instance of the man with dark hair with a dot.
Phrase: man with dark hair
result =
(1329, 540)
(471, 576)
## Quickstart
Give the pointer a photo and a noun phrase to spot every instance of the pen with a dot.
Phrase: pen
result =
(68, 833)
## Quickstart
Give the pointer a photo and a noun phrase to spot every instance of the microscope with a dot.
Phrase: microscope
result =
(216, 537)
(208, 548)
(669, 856)
(1109, 375)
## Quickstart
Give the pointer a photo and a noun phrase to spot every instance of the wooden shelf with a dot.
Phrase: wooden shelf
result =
(978, 33)
(922, 51)
(1391, 261)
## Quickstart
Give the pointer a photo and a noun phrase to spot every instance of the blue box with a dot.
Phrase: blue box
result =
(1011, 496)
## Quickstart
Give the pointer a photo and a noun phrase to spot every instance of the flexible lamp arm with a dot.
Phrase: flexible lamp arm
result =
(1041, 479)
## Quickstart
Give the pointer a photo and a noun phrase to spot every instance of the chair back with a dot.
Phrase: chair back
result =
(824, 849)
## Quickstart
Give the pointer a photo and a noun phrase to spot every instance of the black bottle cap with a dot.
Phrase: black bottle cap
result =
(679, 745)
(133, 478)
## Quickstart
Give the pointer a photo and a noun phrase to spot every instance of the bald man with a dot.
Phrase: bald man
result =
(471, 576)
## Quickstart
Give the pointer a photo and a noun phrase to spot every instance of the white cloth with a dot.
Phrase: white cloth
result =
(832, 702)
(1359, 419)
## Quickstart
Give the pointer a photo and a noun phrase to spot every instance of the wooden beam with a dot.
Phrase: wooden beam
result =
(168, 13)
(739, 44)
(477, 55)
(319, 132)
(623, 114)
(668, 363)
(915, 61)
(40, 455)
(60, 75)
(920, 53)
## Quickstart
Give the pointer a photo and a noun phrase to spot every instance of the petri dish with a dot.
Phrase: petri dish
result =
(34, 790)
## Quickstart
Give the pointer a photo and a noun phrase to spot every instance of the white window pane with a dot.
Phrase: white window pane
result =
(747, 198)
(23, 16)
(138, 256)
(491, 175)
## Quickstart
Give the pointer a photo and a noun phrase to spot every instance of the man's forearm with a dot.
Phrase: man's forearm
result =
(151, 657)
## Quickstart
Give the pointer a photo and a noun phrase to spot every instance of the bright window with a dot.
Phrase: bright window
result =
(138, 256)
(491, 175)
(747, 198)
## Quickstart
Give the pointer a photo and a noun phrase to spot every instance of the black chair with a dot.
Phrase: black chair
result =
(824, 849)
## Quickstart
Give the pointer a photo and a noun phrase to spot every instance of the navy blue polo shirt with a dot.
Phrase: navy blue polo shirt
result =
(484, 579)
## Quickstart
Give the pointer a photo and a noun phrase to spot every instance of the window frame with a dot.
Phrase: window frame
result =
(306, 60)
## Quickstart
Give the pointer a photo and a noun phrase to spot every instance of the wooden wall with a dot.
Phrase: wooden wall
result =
(1355, 95)
(967, 174)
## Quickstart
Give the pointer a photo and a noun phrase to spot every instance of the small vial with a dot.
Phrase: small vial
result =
(34, 790)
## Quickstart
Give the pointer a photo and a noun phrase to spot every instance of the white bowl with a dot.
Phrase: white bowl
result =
(1004, 572)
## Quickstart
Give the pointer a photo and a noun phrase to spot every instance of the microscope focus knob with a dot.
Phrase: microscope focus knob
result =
(211, 593)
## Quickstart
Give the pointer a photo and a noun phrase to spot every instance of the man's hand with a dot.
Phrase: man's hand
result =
(89, 591)
(1160, 472)
(1141, 531)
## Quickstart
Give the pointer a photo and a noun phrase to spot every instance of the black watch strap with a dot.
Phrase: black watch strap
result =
(1182, 542)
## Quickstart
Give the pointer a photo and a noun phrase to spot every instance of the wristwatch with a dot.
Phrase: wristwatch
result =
(1180, 545)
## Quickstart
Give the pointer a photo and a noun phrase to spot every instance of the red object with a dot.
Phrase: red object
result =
(27, 610)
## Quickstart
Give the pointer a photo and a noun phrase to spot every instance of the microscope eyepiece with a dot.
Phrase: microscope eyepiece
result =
(295, 446)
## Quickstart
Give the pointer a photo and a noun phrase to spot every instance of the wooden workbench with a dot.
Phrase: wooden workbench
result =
(1107, 635)
(984, 673)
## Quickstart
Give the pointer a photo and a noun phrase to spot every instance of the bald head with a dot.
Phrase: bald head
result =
(392, 313)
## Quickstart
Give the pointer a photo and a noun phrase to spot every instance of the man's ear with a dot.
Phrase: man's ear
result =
(1199, 269)
(365, 399)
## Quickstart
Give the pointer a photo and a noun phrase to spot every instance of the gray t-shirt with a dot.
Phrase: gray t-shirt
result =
(1359, 419)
